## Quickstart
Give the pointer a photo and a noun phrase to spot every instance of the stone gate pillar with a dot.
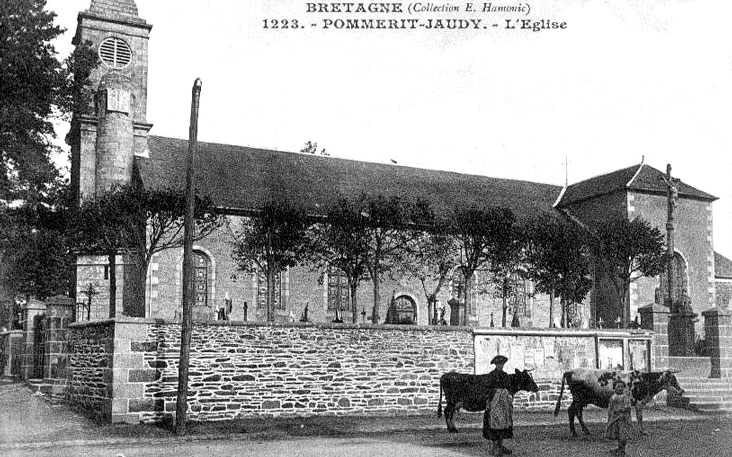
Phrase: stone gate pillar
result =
(718, 333)
(31, 310)
(655, 317)
(59, 314)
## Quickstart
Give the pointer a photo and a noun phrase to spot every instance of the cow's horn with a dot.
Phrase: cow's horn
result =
(674, 371)
(531, 369)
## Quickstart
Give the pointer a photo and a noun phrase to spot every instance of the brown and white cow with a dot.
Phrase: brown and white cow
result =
(470, 392)
(596, 387)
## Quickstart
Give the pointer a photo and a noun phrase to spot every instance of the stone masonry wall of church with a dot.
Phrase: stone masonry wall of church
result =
(693, 240)
(90, 270)
(723, 293)
(300, 288)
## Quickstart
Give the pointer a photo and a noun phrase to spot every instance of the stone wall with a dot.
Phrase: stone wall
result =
(89, 367)
(126, 370)
(250, 370)
(692, 240)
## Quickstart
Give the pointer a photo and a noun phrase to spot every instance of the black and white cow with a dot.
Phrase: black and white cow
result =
(470, 392)
(596, 387)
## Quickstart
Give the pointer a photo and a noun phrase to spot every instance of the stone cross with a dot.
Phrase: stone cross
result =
(672, 196)
(89, 292)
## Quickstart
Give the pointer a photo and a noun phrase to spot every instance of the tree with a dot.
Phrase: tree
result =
(626, 251)
(557, 261)
(138, 222)
(341, 242)
(271, 242)
(389, 226)
(35, 253)
(430, 258)
(36, 88)
(505, 258)
(483, 235)
(30, 83)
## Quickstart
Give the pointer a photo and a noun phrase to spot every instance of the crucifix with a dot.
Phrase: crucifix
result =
(672, 195)
(89, 292)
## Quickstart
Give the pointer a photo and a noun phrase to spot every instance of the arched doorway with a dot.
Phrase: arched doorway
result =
(403, 310)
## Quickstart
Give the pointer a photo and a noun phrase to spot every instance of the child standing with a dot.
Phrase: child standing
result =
(618, 418)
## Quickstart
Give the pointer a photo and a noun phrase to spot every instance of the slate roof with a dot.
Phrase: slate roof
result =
(242, 179)
(642, 177)
(722, 266)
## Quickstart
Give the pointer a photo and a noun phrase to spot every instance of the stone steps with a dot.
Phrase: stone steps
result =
(707, 394)
(52, 390)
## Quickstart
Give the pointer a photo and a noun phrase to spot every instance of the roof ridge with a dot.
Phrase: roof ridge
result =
(603, 174)
(637, 172)
(318, 157)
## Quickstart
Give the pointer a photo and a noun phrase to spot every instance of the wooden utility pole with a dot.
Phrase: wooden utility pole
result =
(181, 407)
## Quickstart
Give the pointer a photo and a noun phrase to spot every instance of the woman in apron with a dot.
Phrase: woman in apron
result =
(498, 417)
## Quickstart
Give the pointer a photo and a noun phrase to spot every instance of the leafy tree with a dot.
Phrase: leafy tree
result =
(35, 88)
(430, 258)
(31, 79)
(557, 261)
(505, 262)
(484, 236)
(269, 243)
(389, 226)
(342, 243)
(138, 222)
(35, 250)
(626, 251)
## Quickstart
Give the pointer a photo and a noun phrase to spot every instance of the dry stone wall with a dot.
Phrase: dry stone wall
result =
(300, 369)
(240, 370)
(89, 367)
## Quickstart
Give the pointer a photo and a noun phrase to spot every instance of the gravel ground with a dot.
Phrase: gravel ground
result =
(29, 425)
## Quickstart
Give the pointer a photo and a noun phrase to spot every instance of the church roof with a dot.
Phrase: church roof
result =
(124, 11)
(722, 266)
(642, 178)
(242, 179)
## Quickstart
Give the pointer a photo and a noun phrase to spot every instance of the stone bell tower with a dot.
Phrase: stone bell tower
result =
(107, 135)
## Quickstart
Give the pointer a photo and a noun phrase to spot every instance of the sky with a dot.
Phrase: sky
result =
(625, 81)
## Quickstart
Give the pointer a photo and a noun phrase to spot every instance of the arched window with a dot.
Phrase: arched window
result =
(458, 285)
(262, 291)
(518, 297)
(201, 276)
(338, 291)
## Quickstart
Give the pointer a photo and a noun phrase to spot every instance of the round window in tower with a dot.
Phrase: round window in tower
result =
(115, 53)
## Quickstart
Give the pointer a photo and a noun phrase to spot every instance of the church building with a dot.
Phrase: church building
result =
(113, 142)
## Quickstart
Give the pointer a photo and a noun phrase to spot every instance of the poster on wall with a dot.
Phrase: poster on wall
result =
(549, 356)
(611, 354)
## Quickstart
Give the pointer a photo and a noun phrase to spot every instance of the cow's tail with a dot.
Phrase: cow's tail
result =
(561, 391)
(439, 404)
